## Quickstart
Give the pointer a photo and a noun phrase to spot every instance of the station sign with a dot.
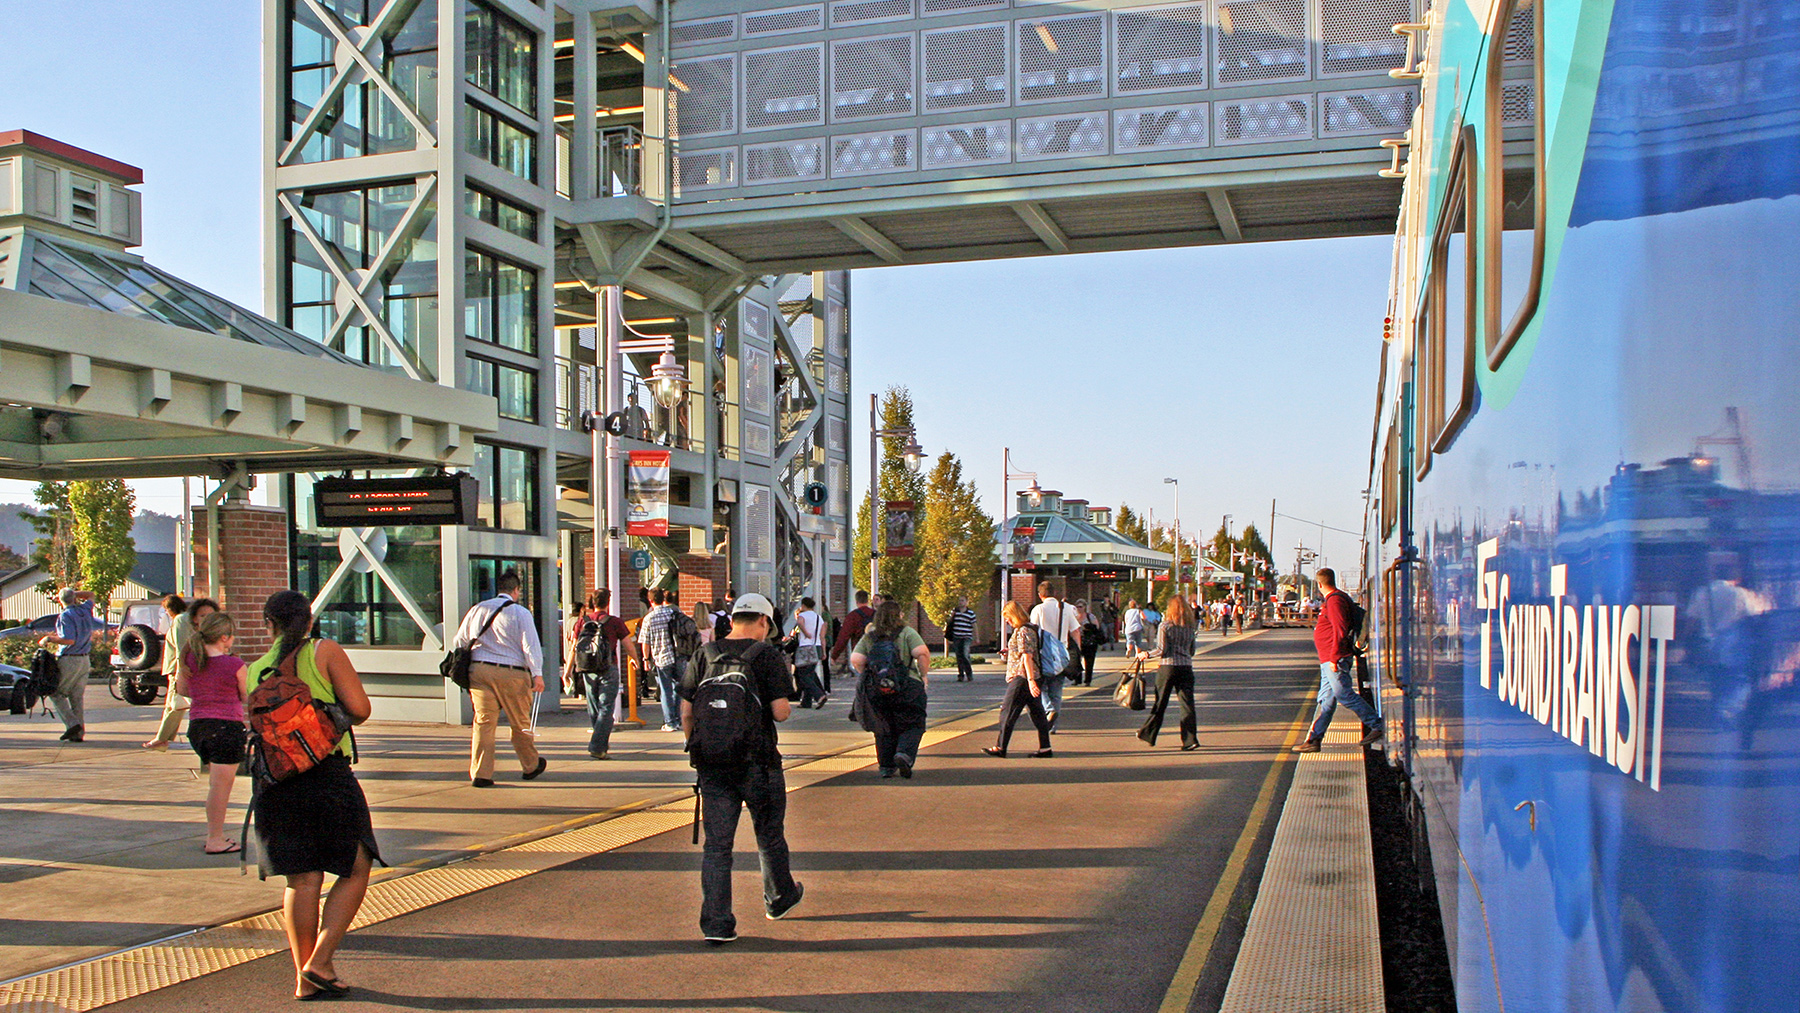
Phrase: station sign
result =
(394, 502)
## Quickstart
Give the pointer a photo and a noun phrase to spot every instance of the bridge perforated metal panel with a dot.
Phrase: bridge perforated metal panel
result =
(872, 78)
(1061, 58)
(784, 87)
(1357, 36)
(785, 21)
(966, 67)
(1159, 49)
(1261, 40)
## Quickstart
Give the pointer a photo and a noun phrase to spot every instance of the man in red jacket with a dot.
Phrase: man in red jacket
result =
(853, 626)
(1335, 638)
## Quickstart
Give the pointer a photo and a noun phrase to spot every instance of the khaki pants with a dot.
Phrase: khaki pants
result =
(493, 689)
(70, 699)
(175, 708)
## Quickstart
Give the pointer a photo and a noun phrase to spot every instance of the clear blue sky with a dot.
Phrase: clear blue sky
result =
(1246, 372)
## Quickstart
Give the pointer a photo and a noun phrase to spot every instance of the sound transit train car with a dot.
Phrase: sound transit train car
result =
(1583, 539)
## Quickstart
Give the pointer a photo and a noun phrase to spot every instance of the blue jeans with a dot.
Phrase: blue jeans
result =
(965, 668)
(1335, 687)
(668, 687)
(602, 692)
(724, 794)
(1053, 692)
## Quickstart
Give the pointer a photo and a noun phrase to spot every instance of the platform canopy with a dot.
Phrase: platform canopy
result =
(110, 367)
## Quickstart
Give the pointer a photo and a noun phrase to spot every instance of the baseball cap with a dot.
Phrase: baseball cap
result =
(753, 602)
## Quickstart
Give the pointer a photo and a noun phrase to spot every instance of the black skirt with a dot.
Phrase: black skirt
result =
(313, 822)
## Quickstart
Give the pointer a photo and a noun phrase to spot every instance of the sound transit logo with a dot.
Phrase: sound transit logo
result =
(1592, 673)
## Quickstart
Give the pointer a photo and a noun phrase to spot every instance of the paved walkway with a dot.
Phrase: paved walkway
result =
(1073, 883)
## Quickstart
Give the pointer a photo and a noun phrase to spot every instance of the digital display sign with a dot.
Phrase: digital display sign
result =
(395, 502)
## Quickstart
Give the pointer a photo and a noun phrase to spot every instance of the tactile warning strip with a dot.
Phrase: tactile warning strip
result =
(116, 977)
(1313, 943)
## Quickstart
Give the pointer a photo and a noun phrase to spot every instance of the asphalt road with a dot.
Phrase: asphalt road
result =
(1073, 883)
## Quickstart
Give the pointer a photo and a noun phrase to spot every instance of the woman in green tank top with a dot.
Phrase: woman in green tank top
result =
(318, 821)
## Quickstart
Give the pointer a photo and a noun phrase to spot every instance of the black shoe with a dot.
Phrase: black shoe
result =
(1188, 747)
(1309, 746)
(1372, 734)
(532, 775)
(905, 764)
(1145, 739)
(481, 782)
(780, 911)
(887, 772)
(67, 733)
(598, 756)
(1044, 754)
(994, 751)
(76, 734)
(722, 939)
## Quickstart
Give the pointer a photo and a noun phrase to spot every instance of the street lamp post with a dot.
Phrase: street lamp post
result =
(1007, 476)
(1180, 579)
(914, 455)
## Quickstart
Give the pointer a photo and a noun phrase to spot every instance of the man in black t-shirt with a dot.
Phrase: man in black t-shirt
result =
(756, 783)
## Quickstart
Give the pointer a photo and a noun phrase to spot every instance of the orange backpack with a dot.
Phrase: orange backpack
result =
(290, 732)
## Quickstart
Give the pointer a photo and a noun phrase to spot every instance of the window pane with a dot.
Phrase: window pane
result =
(517, 394)
(516, 67)
(478, 46)
(516, 308)
(517, 151)
(518, 489)
(481, 376)
(486, 515)
(478, 309)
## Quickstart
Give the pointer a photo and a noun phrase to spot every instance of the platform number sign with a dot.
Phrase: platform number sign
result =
(815, 494)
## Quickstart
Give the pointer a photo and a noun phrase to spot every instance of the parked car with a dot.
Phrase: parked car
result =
(138, 654)
(33, 629)
(10, 676)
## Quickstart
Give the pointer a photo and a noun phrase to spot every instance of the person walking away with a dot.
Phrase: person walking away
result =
(703, 620)
(809, 653)
(959, 629)
(591, 641)
(1134, 630)
(852, 630)
(1022, 690)
(73, 638)
(316, 821)
(1055, 619)
(1175, 647)
(1092, 636)
(508, 667)
(733, 694)
(216, 682)
(667, 658)
(892, 663)
(183, 618)
(1335, 635)
(1225, 618)
(1152, 621)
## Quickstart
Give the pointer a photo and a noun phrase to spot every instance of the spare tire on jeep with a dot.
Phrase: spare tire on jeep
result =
(140, 647)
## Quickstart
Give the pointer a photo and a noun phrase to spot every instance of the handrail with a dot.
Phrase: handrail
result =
(1500, 343)
(1465, 166)
(1409, 69)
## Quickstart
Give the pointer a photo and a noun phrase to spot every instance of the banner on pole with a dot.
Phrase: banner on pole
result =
(897, 530)
(647, 494)
(1021, 548)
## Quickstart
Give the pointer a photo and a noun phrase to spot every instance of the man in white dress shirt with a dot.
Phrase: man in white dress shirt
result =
(508, 667)
(1054, 618)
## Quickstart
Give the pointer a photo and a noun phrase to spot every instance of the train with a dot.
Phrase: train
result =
(1581, 547)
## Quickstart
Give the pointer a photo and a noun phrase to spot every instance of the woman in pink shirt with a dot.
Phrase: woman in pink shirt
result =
(217, 682)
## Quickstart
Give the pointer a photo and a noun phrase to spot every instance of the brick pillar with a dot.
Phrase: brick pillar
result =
(625, 602)
(701, 578)
(253, 564)
(1024, 588)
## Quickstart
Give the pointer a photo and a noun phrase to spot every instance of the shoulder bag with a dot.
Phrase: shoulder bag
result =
(455, 665)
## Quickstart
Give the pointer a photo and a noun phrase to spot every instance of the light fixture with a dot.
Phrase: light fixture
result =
(913, 454)
(1035, 494)
(668, 381)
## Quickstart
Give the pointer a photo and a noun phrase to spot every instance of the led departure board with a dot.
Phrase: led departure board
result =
(393, 502)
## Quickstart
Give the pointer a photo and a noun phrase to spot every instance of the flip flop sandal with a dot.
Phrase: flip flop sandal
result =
(230, 849)
(326, 986)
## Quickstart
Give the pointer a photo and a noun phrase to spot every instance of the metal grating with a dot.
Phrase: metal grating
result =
(836, 430)
(759, 439)
(705, 170)
(952, 145)
(1284, 118)
(1062, 136)
(965, 68)
(837, 380)
(1159, 48)
(862, 12)
(1357, 36)
(1517, 103)
(1313, 941)
(1168, 127)
(1382, 111)
(703, 31)
(1061, 58)
(872, 78)
(930, 7)
(755, 321)
(709, 105)
(783, 161)
(1521, 37)
(759, 382)
(863, 154)
(784, 21)
(1260, 40)
(784, 87)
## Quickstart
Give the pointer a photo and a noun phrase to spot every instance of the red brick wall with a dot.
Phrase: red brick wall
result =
(701, 578)
(253, 564)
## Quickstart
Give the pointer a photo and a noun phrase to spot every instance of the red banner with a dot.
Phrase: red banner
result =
(647, 494)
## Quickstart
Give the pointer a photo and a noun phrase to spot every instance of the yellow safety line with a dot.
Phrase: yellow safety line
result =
(1199, 948)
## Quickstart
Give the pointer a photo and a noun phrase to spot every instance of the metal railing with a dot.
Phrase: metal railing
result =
(645, 420)
(618, 160)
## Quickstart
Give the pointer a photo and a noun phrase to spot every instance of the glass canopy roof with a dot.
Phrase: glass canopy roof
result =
(33, 262)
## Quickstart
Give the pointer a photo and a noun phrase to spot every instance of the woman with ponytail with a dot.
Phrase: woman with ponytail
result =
(316, 821)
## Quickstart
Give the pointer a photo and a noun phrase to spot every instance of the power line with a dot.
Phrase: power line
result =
(1319, 524)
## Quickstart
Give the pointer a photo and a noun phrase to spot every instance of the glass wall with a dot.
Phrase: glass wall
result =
(496, 139)
(485, 570)
(362, 119)
(500, 56)
(363, 610)
(509, 487)
(355, 225)
(500, 213)
(500, 303)
(515, 389)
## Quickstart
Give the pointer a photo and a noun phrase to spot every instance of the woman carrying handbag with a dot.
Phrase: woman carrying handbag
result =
(1175, 646)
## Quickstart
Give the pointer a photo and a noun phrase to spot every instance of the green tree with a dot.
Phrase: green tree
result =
(54, 547)
(102, 511)
(1131, 525)
(899, 574)
(956, 541)
(10, 560)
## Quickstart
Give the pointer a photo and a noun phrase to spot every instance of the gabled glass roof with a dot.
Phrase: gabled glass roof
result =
(33, 262)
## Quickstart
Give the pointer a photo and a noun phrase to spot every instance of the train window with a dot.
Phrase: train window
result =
(1390, 481)
(1424, 366)
(1514, 226)
(1450, 361)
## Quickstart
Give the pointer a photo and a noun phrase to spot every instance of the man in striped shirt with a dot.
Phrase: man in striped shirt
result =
(960, 628)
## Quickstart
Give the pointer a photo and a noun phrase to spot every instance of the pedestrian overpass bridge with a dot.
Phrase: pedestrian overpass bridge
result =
(866, 133)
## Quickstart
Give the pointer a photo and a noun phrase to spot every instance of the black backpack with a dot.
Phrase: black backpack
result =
(684, 634)
(40, 683)
(593, 655)
(728, 726)
(886, 668)
(722, 626)
(1354, 617)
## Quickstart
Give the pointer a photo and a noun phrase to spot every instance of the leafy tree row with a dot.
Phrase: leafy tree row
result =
(84, 535)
